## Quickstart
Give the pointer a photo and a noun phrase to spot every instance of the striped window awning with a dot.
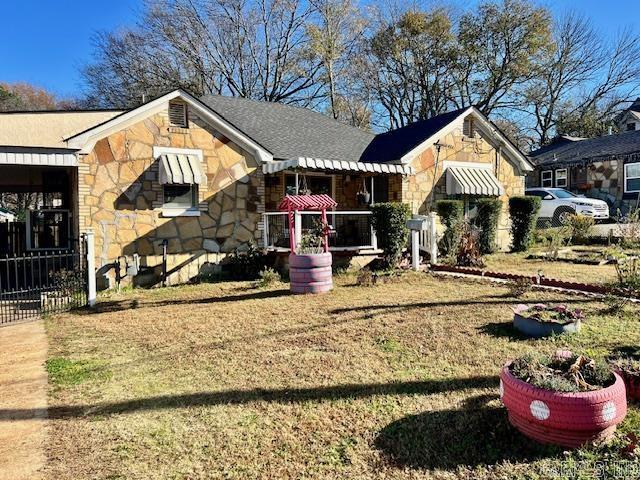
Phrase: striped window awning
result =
(181, 169)
(344, 165)
(472, 181)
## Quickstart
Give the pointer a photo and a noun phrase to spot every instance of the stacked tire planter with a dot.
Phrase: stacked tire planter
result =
(310, 273)
(566, 419)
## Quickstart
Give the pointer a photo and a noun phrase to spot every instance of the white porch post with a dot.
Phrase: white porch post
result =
(298, 227)
(433, 238)
(265, 230)
(415, 249)
(91, 268)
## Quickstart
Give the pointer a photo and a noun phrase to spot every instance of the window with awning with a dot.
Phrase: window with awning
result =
(472, 181)
(181, 169)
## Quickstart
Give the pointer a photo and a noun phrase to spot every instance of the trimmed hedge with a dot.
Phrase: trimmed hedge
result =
(450, 211)
(487, 222)
(523, 211)
(389, 220)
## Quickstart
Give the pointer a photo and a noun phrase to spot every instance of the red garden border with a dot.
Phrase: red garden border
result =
(542, 281)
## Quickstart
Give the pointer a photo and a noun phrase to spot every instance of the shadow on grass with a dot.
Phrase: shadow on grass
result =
(503, 330)
(132, 303)
(240, 397)
(477, 434)
(483, 300)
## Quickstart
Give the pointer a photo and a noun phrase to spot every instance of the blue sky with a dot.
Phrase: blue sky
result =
(44, 42)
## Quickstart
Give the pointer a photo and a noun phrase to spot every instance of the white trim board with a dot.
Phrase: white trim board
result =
(86, 140)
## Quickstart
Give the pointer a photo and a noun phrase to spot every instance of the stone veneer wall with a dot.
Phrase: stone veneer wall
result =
(421, 193)
(120, 199)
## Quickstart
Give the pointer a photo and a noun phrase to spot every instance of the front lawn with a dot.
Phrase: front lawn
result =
(398, 380)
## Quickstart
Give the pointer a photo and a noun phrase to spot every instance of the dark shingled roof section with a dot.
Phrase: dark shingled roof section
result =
(291, 132)
(390, 146)
(568, 152)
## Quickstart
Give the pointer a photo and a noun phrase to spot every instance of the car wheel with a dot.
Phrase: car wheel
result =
(562, 216)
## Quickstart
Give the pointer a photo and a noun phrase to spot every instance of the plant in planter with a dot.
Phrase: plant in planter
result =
(629, 369)
(564, 399)
(542, 320)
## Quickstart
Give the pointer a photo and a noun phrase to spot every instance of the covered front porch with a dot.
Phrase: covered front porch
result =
(355, 186)
(39, 204)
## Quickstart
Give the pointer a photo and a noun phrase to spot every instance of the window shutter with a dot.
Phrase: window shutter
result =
(178, 115)
(467, 127)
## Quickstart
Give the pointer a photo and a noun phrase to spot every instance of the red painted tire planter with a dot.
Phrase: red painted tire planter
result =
(566, 419)
(310, 273)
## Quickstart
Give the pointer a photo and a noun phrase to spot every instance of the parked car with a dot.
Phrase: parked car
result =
(559, 204)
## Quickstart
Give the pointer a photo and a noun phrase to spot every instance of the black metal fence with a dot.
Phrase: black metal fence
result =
(40, 283)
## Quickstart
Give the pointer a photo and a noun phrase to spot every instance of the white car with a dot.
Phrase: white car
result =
(559, 204)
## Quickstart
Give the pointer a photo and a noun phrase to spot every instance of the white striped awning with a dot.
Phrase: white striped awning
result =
(472, 181)
(344, 165)
(181, 169)
(38, 156)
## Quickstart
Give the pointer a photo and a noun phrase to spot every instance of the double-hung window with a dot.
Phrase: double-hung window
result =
(546, 178)
(561, 178)
(632, 177)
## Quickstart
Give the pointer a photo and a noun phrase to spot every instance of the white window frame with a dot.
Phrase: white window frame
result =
(173, 211)
(550, 179)
(626, 177)
(566, 177)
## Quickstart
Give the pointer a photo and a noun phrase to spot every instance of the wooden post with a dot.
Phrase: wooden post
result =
(91, 267)
(298, 228)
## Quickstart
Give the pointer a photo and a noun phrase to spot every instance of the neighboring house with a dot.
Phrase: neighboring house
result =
(607, 168)
(6, 215)
(629, 120)
(203, 177)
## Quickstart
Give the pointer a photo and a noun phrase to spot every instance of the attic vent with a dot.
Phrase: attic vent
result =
(467, 128)
(178, 115)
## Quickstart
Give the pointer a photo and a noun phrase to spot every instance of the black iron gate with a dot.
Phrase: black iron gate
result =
(40, 283)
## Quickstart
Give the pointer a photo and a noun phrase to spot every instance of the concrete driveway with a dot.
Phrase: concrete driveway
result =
(23, 386)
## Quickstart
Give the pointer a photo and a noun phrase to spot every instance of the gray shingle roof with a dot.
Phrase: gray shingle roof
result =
(291, 132)
(577, 151)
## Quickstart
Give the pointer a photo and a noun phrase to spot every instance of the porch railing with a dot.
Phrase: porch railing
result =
(352, 230)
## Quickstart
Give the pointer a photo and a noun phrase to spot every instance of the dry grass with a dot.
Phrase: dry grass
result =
(224, 381)
(518, 263)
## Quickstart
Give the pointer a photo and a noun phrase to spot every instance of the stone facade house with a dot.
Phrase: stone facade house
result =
(607, 168)
(191, 180)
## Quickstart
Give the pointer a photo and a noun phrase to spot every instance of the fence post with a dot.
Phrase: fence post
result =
(415, 249)
(91, 268)
(433, 238)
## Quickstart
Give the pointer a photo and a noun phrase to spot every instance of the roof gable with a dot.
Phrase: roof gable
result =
(86, 140)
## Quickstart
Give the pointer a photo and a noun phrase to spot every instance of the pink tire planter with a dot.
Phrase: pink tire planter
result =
(566, 419)
(310, 273)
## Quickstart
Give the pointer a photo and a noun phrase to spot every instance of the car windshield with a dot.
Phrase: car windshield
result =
(560, 193)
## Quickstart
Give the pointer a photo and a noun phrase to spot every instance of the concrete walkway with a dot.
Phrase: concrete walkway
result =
(23, 385)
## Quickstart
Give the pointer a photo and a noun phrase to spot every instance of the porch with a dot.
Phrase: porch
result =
(354, 191)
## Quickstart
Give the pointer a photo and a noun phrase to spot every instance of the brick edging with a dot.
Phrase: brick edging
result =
(543, 281)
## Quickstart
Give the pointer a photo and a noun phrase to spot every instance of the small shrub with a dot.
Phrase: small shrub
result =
(451, 213)
(487, 222)
(268, 277)
(468, 254)
(523, 211)
(519, 286)
(553, 239)
(365, 278)
(627, 283)
(246, 265)
(580, 228)
(390, 223)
